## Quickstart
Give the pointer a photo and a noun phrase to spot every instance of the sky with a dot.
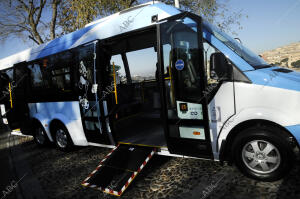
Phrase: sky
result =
(270, 24)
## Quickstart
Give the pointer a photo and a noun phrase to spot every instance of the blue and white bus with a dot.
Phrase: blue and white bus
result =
(204, 94)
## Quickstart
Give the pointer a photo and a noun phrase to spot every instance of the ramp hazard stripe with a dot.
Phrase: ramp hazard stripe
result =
(98, 167)
(115, 174)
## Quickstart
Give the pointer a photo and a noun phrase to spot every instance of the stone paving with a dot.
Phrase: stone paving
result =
(60, 175)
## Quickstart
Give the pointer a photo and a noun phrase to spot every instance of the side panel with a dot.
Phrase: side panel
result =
(66, 112)
(262, 102)
(221, 109)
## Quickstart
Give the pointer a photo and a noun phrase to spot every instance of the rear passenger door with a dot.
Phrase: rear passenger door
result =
(18, 114)
(89, 69)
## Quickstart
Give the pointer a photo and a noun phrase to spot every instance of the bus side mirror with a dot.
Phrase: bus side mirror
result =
(219, 67)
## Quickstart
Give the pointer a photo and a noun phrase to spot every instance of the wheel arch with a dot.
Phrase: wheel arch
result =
(56, 122)
(225, 147)
(74, 127)
(44, 122)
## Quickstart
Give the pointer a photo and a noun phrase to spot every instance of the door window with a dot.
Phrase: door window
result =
(86, 62)
(181, 62)
(36, 78)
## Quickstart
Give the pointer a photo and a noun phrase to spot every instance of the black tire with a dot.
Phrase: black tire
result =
(63, 143)
(263, 165)
(40, 135)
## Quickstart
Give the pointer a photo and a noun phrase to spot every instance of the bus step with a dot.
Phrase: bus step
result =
(118, 169)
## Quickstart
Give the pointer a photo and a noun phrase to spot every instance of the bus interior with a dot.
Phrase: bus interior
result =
(135, 107)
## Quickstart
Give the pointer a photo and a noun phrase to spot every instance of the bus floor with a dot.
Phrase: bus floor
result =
(142, 129)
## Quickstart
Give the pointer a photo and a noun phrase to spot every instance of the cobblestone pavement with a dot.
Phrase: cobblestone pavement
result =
(60, 175)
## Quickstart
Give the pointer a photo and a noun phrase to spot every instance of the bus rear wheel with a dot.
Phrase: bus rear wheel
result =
(40, 136)
(62, 138)
(263, 153)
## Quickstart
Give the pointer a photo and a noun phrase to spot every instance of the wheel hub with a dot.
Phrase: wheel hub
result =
(40, 137)
(261, 156)
(61, 138)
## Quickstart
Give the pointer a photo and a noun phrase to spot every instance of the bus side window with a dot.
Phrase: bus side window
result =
(59, 71)
(36, 78)
(20, 75)
(119, 69)
(10, 74)
(213, 84)
(208, 51)
(85, 62)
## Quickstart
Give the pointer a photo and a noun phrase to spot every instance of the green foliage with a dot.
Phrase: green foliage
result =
(26, 18)
(75, 14)
(214, 11)
(285, 60)
(296, 64)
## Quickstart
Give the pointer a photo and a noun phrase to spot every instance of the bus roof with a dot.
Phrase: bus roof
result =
(125, 21)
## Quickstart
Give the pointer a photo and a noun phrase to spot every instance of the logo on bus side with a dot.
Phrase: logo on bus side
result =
(126, 23)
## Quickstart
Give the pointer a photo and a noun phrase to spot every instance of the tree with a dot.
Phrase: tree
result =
(296, 64)
(77, 13)
(214, 11)
(29, 19)
(284, 60)
(23, 18)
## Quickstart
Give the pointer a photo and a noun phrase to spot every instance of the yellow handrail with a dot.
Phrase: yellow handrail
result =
(10, 95)
(115, 83)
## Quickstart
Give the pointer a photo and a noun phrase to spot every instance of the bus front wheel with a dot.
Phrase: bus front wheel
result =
(62, 138)
(263, 153)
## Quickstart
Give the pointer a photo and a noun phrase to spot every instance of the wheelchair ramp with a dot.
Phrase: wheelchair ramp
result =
(118, 169)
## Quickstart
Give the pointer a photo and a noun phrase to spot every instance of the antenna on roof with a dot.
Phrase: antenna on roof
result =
(177, 4)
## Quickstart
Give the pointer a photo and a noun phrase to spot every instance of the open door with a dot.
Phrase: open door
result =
(17, 112)
(183, 82)
(91, 64)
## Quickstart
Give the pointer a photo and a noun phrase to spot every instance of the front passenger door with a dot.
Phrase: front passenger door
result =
(184, 106)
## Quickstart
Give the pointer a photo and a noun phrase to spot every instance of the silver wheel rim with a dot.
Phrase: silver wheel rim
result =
(261, 156)
(61, 138)
(40, 136)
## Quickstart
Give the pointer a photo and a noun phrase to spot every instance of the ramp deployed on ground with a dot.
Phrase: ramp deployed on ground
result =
(118, 169)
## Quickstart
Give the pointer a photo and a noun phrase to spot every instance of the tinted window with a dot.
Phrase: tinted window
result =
(10, 74)
(86, 62)
(250, 57)
(20, 76)
(36, 77)
(58, 69)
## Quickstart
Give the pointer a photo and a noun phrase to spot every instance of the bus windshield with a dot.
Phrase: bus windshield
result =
(254, 60)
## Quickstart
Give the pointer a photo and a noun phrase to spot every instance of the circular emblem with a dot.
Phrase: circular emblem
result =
(179, 64)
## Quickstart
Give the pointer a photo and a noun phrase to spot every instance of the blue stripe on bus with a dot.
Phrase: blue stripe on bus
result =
(269, 77)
